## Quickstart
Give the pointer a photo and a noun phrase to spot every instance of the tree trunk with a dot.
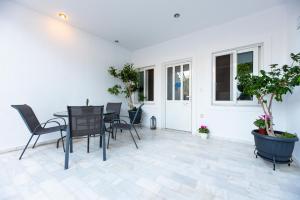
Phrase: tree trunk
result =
(271, 126)
(271, 115)
(268, 113)
(130, 102)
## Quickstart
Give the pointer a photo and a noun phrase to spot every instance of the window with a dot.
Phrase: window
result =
(226, 66)
(146, 84)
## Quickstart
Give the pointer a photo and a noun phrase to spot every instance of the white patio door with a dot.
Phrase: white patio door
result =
(178, 97)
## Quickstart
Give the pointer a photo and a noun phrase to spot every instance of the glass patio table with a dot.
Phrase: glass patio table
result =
(65, 113)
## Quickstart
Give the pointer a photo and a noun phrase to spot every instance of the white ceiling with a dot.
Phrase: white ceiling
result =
(140, 23)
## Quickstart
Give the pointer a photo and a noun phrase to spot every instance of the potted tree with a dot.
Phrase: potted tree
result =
(129, 78)
(275, 146)
(203, 132)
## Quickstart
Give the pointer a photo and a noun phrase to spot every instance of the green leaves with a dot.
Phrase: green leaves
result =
(295, 57)
(129, 76)
(113, 71)
(115, 90)
(277, 82)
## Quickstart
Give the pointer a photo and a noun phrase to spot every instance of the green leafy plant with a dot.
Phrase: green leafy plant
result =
(203, 129)
(260, 122)
(129, 77)
(286, 135)
(271, 85)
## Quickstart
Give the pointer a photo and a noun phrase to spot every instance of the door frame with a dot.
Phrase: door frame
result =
(164, 88)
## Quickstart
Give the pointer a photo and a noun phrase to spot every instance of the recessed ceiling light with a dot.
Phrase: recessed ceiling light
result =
(63, 16)
(116, 41)
(176, 15)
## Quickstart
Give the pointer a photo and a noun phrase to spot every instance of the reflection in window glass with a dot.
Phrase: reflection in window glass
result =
(150, 84)
(244, 65)
(141, 86)
(177, 82)
(186, 82)
(224, 78)
(170, 83)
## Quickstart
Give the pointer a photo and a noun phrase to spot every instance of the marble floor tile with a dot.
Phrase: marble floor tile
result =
(167, 165)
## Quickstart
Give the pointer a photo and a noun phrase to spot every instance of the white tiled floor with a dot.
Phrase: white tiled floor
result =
(168, 165)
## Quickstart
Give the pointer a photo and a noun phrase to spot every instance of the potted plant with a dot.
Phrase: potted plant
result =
(260, 124)
(129, 78)
(203, 132)
(276, 146)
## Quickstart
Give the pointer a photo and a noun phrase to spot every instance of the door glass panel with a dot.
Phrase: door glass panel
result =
(186, 82)
(224, 78)
(177, 82)
(170, 83)
(244, 65)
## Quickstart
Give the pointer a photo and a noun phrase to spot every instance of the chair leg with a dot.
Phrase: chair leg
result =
(108, 139)
(26, 147)
(68, 140)
(36, 141)
(100, 144)
(88, 144)
(104, 147)
(116, 134)
(71, 145)
(112, 135)
(136, 132)
(133, 139)
(57, 143)
(62, 140)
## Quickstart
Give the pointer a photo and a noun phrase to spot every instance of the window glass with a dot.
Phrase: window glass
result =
(224, 78)
(177, 82)
(170, 83)
(186, 82)
(150, 85)
(141, 86)
(244, 65)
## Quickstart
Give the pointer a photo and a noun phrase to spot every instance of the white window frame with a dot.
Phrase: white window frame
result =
(257, 60)
(144, 69)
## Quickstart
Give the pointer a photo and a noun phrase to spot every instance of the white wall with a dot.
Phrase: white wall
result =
(293, 101)
(229, 122)
(47, 64)
(74, 64)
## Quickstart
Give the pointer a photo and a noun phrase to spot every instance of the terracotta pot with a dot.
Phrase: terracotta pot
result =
(262, 131)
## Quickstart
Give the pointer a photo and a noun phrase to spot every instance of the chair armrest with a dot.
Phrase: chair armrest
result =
(45, 123)
(120, 120)
(53, 119)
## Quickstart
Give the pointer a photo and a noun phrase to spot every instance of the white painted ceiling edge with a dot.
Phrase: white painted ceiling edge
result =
(141, 23)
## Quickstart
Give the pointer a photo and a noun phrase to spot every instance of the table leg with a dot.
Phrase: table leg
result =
(67, 149)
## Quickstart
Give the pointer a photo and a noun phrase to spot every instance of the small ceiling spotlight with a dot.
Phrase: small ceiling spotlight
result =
(116, 41)
(63, 16)
(176, 15)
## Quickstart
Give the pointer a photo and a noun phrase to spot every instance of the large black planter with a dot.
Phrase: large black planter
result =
(138, 117)
(274, 149)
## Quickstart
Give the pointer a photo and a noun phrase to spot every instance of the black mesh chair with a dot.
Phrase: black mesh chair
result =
(84, 121)
(37, 128)
(124, 125)
(112, 107)
(116, 109)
